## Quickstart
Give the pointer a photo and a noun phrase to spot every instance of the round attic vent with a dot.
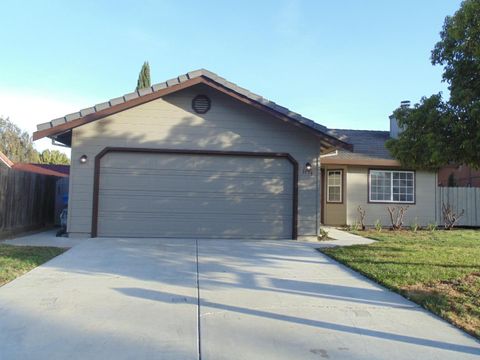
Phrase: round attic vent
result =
(201, 104)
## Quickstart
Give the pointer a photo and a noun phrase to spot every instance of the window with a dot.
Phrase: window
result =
(392, 186)
(334, 186)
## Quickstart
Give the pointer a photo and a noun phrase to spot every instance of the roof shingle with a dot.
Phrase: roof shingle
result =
(367, 144)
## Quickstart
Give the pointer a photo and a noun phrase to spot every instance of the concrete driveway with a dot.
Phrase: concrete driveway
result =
(212, 299)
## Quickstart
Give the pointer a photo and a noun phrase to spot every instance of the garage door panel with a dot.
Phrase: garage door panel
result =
(213, 183)
(210, 174)
(185, 216)
(178, 227)
(160, 162)
(192, 195)
(218, 205)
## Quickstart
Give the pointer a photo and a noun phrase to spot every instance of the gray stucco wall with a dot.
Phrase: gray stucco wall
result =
(423, 211)
(170, 123)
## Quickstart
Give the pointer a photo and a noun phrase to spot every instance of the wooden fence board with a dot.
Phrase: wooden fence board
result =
(460, 198)
(27, 201)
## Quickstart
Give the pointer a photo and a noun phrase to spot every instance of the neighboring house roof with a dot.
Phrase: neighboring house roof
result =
(368, 148)
(5, 160)
(60, 129)
(44, 169)
(463, 176)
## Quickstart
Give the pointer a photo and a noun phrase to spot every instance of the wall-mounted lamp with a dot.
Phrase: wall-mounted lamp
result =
(307, 169)
(83, 159)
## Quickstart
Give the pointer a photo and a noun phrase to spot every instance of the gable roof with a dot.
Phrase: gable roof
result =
(60, 129)
(368, 148)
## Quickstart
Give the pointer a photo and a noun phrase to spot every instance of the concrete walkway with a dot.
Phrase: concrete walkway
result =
(213, 299)
(342, 238)
(44, 238)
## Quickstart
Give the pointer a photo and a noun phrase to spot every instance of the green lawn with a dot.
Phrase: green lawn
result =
(17, 260)
(439, 270)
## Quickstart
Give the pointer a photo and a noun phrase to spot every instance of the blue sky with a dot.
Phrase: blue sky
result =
(344, 64)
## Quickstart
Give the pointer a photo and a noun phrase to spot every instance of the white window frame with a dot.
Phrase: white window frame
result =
(391, 201)
(329, 186)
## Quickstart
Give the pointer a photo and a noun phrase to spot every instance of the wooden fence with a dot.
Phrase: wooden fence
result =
(460, 198)
(27, 201)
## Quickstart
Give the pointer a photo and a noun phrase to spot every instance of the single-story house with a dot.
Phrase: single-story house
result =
(198, 156)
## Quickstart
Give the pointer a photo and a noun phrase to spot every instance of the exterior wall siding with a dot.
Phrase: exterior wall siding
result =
(170, 123)
(423, 211)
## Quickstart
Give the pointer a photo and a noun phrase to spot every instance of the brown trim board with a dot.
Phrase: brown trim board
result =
(101, 154)
(113, 109)
(360, 162)
(329, 140)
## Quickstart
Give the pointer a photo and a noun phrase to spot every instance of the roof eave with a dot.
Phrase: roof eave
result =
(361, 162)
(328, 141)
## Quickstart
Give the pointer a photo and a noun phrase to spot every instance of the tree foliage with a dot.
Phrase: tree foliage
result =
(144, 77)
(53, 157)
(16, 144)
(437, 131)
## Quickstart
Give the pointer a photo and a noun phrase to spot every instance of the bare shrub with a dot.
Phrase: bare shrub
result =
(362, 213)
(397, 213)
(450, 217)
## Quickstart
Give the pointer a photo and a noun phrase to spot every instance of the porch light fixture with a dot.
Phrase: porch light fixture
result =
(307, 169)
(83, 159)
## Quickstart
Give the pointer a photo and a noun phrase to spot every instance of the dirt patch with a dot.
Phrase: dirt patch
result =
(456, 300)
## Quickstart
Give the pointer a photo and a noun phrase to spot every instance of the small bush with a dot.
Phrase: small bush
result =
(450, 217)
(414, 226)
(431, 227)
(355, 227)
(378, 225)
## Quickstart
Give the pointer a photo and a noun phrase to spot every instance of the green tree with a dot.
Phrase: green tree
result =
(53, 157)
(144, 77)
(16, 144)
(437, 131)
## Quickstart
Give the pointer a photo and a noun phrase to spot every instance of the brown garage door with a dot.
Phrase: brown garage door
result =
(184, 195)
